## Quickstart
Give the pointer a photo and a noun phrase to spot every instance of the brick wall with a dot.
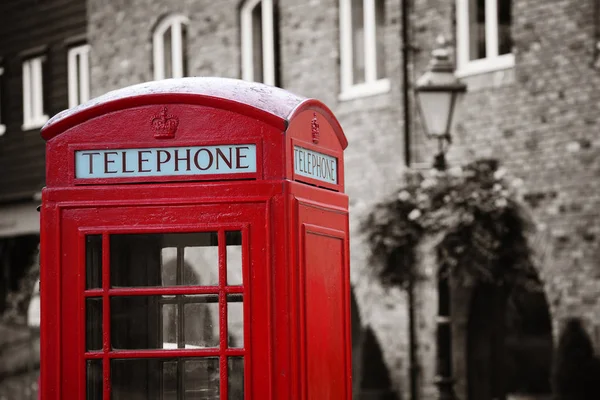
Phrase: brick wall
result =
(540, 119)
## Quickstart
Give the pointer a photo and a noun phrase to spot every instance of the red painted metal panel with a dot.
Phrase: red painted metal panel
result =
(323, 304)
(320, 283)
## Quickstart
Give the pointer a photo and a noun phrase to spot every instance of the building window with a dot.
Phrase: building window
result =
(169, 48)
(258, 41)
(484, 40)
(362, 24)
(2, 126)
(33, 93)
(79, 74)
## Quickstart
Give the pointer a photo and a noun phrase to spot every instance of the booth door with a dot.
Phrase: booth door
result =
(164, 298)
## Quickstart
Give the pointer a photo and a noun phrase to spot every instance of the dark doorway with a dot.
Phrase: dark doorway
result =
(509, 344)
(375, 382)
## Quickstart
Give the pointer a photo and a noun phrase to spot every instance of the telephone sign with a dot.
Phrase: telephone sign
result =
(194, 244)
(166, 161)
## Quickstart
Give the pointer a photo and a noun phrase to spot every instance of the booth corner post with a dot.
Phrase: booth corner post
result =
(188, 250)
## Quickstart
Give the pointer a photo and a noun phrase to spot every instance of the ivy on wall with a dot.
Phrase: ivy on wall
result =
(475, 213)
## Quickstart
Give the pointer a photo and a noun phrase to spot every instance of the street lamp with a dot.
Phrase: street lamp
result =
(437, 93)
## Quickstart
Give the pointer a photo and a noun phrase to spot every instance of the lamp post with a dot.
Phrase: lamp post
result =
(437, 93)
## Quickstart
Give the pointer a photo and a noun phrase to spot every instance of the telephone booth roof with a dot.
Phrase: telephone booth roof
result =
(270, 104)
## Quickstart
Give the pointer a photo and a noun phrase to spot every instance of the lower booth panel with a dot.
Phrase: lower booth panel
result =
(323, 302)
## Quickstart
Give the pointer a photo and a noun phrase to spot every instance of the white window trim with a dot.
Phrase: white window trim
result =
(33, 93)
(268, 43)
(175, 22)
(2, 126)
(78, 78)
(493, 61)
(372, 85)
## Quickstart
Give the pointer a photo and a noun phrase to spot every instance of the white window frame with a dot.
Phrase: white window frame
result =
(176, 23)
(78, 74)
(2, 126)
(268, 41)
(493, 61)
(33, 93)
(372, 85)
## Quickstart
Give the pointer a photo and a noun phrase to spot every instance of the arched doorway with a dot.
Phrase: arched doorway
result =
(509, 344)
(370, 376)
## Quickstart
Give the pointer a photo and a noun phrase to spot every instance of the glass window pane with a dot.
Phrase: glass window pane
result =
(234, 257)
(168, 52)
(235, 320)
(143, 379)
(164, 322)
(170, 382)
(235, 367)
(93, 261)
(184, 55)
(504, 27)
(135, 322)
(201, 378)
(93, 380)
(476, 29)
(380, 37)
(170, 324)
(257, 43)
(167, 259)
(93, 324)
(201, 321)
(358, 41)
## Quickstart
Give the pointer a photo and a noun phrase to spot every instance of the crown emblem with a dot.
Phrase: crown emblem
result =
(164, 125)
(314, 125)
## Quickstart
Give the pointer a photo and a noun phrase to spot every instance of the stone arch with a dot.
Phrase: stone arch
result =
(508, 343)
(374, 382)
(357, 338)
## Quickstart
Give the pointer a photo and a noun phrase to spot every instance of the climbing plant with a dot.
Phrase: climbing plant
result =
(475, 214)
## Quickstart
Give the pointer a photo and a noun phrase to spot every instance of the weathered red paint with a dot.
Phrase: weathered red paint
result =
(296, 268)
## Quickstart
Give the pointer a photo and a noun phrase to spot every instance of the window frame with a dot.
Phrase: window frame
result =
(175, 22)
(268, 40)
(372, 85)
(2, 125)
(33, 92)
(78, 73)
(493, 61)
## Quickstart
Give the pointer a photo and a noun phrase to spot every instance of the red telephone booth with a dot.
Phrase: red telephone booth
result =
(195, 246)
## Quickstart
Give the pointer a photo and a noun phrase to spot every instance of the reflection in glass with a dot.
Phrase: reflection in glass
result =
(93, 261)
(164, 322)
(257, 43)
(167, 259)
(235, 367)
(477, 48)
(201, 378)
(380, 37)
(138, 379)
(235, 320)
(93, 380)
(358, 42)
(233, 242)
(201, 321)
(93, 323)
(505, 42)
(169, 380)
